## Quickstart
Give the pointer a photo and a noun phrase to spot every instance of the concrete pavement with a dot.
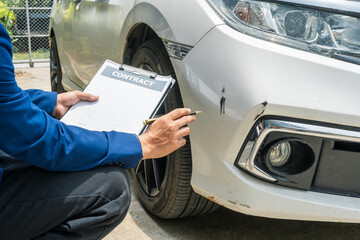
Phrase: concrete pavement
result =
(221, 224)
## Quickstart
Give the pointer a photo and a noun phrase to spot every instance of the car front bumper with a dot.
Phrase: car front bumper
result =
(243, 73)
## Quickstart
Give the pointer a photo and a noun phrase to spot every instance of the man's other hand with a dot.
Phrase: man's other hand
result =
(68, 99)
(166, 134)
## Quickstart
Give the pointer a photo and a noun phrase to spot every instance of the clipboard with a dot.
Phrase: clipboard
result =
(127, 96)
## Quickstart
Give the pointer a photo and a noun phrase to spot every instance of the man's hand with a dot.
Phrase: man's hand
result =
(166, 134)
(68, 99)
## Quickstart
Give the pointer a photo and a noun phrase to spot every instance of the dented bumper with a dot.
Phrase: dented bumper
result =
(228, 76)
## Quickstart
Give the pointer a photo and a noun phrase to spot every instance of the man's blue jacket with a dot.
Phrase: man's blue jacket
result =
(29, 133)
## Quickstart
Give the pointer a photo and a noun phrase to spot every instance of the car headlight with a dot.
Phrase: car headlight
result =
(332, 34)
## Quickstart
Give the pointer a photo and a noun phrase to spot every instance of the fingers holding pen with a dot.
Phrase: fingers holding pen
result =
(185, 120)
(181, 116)
(178, 113)
(182, 132)
(174, 116)
(166, 134)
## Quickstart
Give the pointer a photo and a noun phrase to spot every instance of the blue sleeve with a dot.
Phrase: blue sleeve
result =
(43, 100)
(31, 135)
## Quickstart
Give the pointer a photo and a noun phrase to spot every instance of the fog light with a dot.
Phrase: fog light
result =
(279, 154)
(290, 156)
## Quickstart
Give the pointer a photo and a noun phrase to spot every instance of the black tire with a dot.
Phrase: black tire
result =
(55, 67)
(163, 184)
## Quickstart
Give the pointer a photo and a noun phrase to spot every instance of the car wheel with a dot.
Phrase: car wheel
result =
(163, 184)
(55, 68)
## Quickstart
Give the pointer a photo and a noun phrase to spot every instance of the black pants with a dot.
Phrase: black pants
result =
(37, 204)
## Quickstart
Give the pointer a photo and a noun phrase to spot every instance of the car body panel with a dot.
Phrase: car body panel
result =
(85, 51)
(251, 77)
(249, 195)
(254, 71)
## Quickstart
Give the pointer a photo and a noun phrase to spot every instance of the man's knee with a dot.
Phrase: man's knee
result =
(109, 200)
(117, 191)
(102, 193)
(106, 188)
(114, 184)
(120, 184)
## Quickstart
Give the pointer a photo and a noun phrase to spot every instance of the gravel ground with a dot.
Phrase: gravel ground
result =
(221, 224)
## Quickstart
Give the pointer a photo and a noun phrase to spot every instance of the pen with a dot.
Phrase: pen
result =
(148, 121)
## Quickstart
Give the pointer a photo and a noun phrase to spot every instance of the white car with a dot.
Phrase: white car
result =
(278, 85)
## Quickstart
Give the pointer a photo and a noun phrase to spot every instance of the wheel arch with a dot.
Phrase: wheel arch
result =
(138, 35)
(144, 22)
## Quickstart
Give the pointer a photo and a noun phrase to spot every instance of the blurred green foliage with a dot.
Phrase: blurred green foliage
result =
(32, 3)
(7, 17)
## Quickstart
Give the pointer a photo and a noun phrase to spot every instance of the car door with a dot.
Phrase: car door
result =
(62, 15)
(96, 29)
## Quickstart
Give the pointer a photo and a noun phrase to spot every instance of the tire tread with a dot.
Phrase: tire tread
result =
(184, 201)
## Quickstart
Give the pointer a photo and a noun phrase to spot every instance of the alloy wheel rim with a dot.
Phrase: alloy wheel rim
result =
(151, 173)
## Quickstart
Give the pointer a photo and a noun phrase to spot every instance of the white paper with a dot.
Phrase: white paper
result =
(122, 105)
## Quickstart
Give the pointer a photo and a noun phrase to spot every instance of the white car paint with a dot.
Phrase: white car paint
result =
(247, 72)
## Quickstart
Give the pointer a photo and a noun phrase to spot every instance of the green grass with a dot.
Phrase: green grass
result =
(39, 54)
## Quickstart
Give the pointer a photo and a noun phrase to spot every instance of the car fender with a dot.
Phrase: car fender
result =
(149, 15)
(187, 28)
